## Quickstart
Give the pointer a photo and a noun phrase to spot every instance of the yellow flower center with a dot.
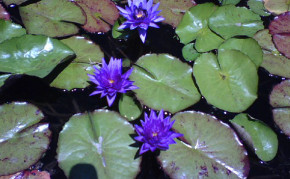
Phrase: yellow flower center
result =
(111, 81)
(140, 14)
(155, 134)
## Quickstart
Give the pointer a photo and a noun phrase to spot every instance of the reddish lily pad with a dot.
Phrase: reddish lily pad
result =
(3, 13)
(101, 14)
(27, 174)
(205, 149)
(280, 100)
(280, 29)
(52, 18)
(20, 129)
(277, 6)
(173, 10)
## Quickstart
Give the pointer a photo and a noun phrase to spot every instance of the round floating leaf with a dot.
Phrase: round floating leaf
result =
(3, 13)
(100, 14)
(257, 6)
(17, 2)
(18, 130)
(247, 46)
(165, 83)
(129, 107)
(173, 10)
(225, 2)
(189, 53)
(277, 6)
(120, 33)
(280, 100)
(229, 21)
(264, 39)
(73, 76)
(207, 40)
(282, 42)
(9, 30)
(194, 20)
(52, 18)
(3, 78)
(206, 154)
(261, 138)
(86, 51)
(32, 55)
(101, 141)
(276, 64)
(229, 82)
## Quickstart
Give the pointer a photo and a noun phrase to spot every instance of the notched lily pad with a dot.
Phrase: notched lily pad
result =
(100, 140)
(280, 100)
(276, 64)
(17, 2)
(53, 18)
(3, 13)
(32, 55)
(264, 38)
(229, 21)
(173, 10)
(257, 6)
(129, 107)
(165, 83)
(277, 6)
(101, 14)
(261, 138)
(209, 143)
(225, 2)
(189, 53)
(228, 82)
(9, 30)
(19, 130)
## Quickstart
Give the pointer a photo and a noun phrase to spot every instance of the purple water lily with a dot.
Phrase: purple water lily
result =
(110, 81)
(140, 14)
(155, 132)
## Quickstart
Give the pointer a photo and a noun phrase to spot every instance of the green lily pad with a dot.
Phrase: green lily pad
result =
(3, 78)
(276, 64)
(193, 21)
(120, 33)
(173, 10)
(100, 14)
(189, 53)
(257, 6)
(264, 38)
(209, 143)
(228, 82)
(86, 51)
(102, 140)
(225, 2)
(19, 130)
(53, 18)
(277, 6)
(229, 21)
(3, 13)
(32, 55)
(247, 46)
(165, 83)
(17, 2)
(9, 30)
(207, 40)
(280, 100)
(261, 138)
(129, 107)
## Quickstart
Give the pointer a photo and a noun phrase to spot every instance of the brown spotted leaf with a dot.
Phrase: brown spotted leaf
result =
(173, 10)
(101, 14)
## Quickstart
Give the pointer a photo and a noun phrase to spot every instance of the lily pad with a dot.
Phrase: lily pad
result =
(19, 130)
(3, 77)
(280, 100)
(277, 6)
(261, 138)
(3, 13)
(207, 40)
(257, 6)
(264, 38)
(32, 55)
(189, 53)
(229, 21)
(9, 30)
(17, 2)
(173, 10)
(282, 42)
(129, 107)
(193, 21)
(101, 14)
(101, 139)
(228, 82)
(120, 33)
(247, 46)
(276, 64)
(165, 83)
(225, 2)
(209, 143)
(53, 18)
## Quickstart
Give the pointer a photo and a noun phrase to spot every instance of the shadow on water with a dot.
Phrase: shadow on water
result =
(83, 171)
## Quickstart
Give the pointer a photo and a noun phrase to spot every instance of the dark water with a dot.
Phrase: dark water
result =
(58, 105)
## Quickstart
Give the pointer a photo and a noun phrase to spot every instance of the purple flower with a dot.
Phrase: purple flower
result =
(155, 132)
(110, 80)
(140, 14)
